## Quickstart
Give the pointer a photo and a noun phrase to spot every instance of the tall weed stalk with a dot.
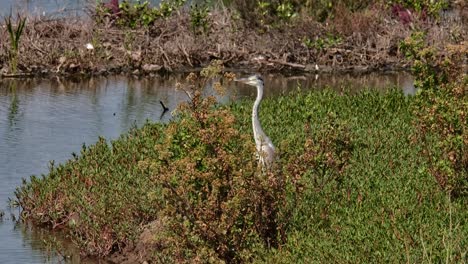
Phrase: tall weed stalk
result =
(15, 34)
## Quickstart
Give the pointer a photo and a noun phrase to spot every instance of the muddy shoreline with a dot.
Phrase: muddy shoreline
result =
(58, 47)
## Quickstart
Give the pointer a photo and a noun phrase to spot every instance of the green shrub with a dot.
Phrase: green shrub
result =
(442, 110)
(432, 7)
(139, 14)
(218, 202)
(322, 43)
(272, 12)
(199, 18)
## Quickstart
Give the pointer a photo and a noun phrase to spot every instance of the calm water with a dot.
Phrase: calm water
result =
(43, 120)
(50, 7)
(43, 7)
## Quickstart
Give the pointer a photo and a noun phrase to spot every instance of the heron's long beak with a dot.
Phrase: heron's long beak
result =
(244, 80)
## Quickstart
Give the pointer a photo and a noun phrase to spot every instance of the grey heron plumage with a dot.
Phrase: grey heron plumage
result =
(265, 149)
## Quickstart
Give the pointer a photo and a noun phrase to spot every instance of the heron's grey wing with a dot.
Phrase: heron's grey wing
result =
(268, 153)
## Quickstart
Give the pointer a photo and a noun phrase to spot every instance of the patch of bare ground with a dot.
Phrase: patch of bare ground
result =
(143, 249)
(368, 41)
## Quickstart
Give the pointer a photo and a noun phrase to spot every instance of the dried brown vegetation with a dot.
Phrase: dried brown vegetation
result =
(368, 40)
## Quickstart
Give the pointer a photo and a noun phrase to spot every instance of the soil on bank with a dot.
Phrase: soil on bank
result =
(362, 41)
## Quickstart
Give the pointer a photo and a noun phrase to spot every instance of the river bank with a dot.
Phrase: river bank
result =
(364, 41)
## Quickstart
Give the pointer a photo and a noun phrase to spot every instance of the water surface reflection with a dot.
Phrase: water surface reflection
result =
(51, 8)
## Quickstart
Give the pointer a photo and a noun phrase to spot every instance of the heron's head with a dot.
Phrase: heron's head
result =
(253, 80)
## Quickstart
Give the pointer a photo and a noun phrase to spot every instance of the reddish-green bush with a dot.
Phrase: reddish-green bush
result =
(442, 110)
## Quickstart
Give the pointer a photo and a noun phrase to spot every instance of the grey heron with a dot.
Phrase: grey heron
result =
(265, 148)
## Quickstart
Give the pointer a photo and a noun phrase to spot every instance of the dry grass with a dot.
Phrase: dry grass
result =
(58, 46)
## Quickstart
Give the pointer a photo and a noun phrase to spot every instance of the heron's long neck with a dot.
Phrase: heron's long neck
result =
(257, 128)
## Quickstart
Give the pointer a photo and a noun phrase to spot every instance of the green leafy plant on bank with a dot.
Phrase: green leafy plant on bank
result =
(442, 110)
(142, 14)
(139, 14)
(136, 14)
(422, 56)
(15, 34)
(168, 7)
(432, 7)
(285, 11)
(199, 18)
(270, 11)
(321, 43)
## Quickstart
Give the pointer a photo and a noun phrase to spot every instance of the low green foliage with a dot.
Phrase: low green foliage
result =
(276, 9)
(386, 206)
(432, 7)
(139, 14)
(423, 58)
(272, 12)
(322, 43)
(167, 7)
(413, 44)
(199, 18)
